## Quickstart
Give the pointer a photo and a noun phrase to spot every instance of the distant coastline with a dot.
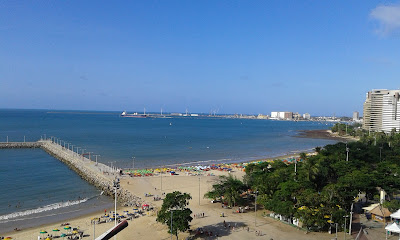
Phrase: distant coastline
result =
(324, 134)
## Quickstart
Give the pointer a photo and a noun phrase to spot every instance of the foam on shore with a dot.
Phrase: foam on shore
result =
(41, 209)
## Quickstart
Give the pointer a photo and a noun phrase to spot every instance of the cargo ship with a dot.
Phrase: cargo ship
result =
(133, 115)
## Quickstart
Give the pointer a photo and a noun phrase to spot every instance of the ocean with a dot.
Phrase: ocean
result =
(27, 192)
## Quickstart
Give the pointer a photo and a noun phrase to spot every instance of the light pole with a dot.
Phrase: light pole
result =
(255, 209)
(199, 188)
(90, 159)
(94, 230)
(336, 230)
(77, 151)
(172, 210)
(116, 186)
(345, 218)
(97, 155)
(171, 224)
(347, 153)
(351, 218)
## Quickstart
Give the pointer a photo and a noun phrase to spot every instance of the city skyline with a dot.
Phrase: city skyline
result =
(230, 57)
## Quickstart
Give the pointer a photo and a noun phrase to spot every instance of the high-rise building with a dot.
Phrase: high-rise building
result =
(382, 110)
(356, 116)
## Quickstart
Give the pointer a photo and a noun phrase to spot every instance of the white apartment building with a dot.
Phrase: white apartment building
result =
(356, 116)
(382, 110)
(282, 115)
(306, 116)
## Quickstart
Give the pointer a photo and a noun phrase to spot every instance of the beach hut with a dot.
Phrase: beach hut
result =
(380, 213)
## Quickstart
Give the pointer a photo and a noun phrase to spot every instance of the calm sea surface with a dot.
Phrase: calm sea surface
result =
(25, 173)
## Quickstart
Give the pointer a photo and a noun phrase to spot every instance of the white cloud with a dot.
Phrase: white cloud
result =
(388, 17)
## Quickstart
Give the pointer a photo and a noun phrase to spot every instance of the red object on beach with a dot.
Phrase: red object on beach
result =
(145, 205)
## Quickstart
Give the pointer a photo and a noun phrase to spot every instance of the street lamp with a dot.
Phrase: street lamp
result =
(116, 186)
(89, 156)
(77, 151)
(97, 155)
(347, 153)
(351, 218)
(199, 188)
(345, 218)
(172, 210)
(255, 209)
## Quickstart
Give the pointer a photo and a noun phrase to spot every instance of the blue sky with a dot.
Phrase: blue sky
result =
(230, 56)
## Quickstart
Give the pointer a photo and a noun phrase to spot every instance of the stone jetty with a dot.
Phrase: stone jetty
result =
(20, 145)
(96, 174)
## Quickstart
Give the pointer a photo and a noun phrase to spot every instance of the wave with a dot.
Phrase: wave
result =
(43, 209)
(197, 162)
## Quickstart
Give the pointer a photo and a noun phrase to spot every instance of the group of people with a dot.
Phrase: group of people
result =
(199, 215)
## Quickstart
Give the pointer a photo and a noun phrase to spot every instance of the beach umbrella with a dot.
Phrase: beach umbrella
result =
(67, 227)
(75, 232)
(48, 238)
(43, 232)
(56, 230)
(8, 238)
(63, 235)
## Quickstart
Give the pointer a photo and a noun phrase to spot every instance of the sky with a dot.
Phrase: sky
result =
(249, 57)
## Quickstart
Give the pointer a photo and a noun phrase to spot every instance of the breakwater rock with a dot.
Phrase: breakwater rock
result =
(20, 145)
(87, 170)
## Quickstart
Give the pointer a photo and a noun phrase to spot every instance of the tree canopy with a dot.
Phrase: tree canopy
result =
(174, 208)
(325, 185)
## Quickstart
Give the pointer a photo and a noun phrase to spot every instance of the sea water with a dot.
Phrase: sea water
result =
(36, 189)
(124, 142)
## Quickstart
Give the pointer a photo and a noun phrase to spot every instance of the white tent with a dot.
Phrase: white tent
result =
(393, 228)
(395, 215)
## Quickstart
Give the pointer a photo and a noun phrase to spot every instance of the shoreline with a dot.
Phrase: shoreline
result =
(145, 227)
(125, 179)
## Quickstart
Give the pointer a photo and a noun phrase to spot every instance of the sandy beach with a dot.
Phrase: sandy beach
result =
(145, 227)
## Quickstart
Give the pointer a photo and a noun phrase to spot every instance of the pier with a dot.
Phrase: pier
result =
(97, 174)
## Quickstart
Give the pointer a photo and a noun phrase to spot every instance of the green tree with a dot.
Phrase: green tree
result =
(174, 208)
(229, 189)
(393, 205)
